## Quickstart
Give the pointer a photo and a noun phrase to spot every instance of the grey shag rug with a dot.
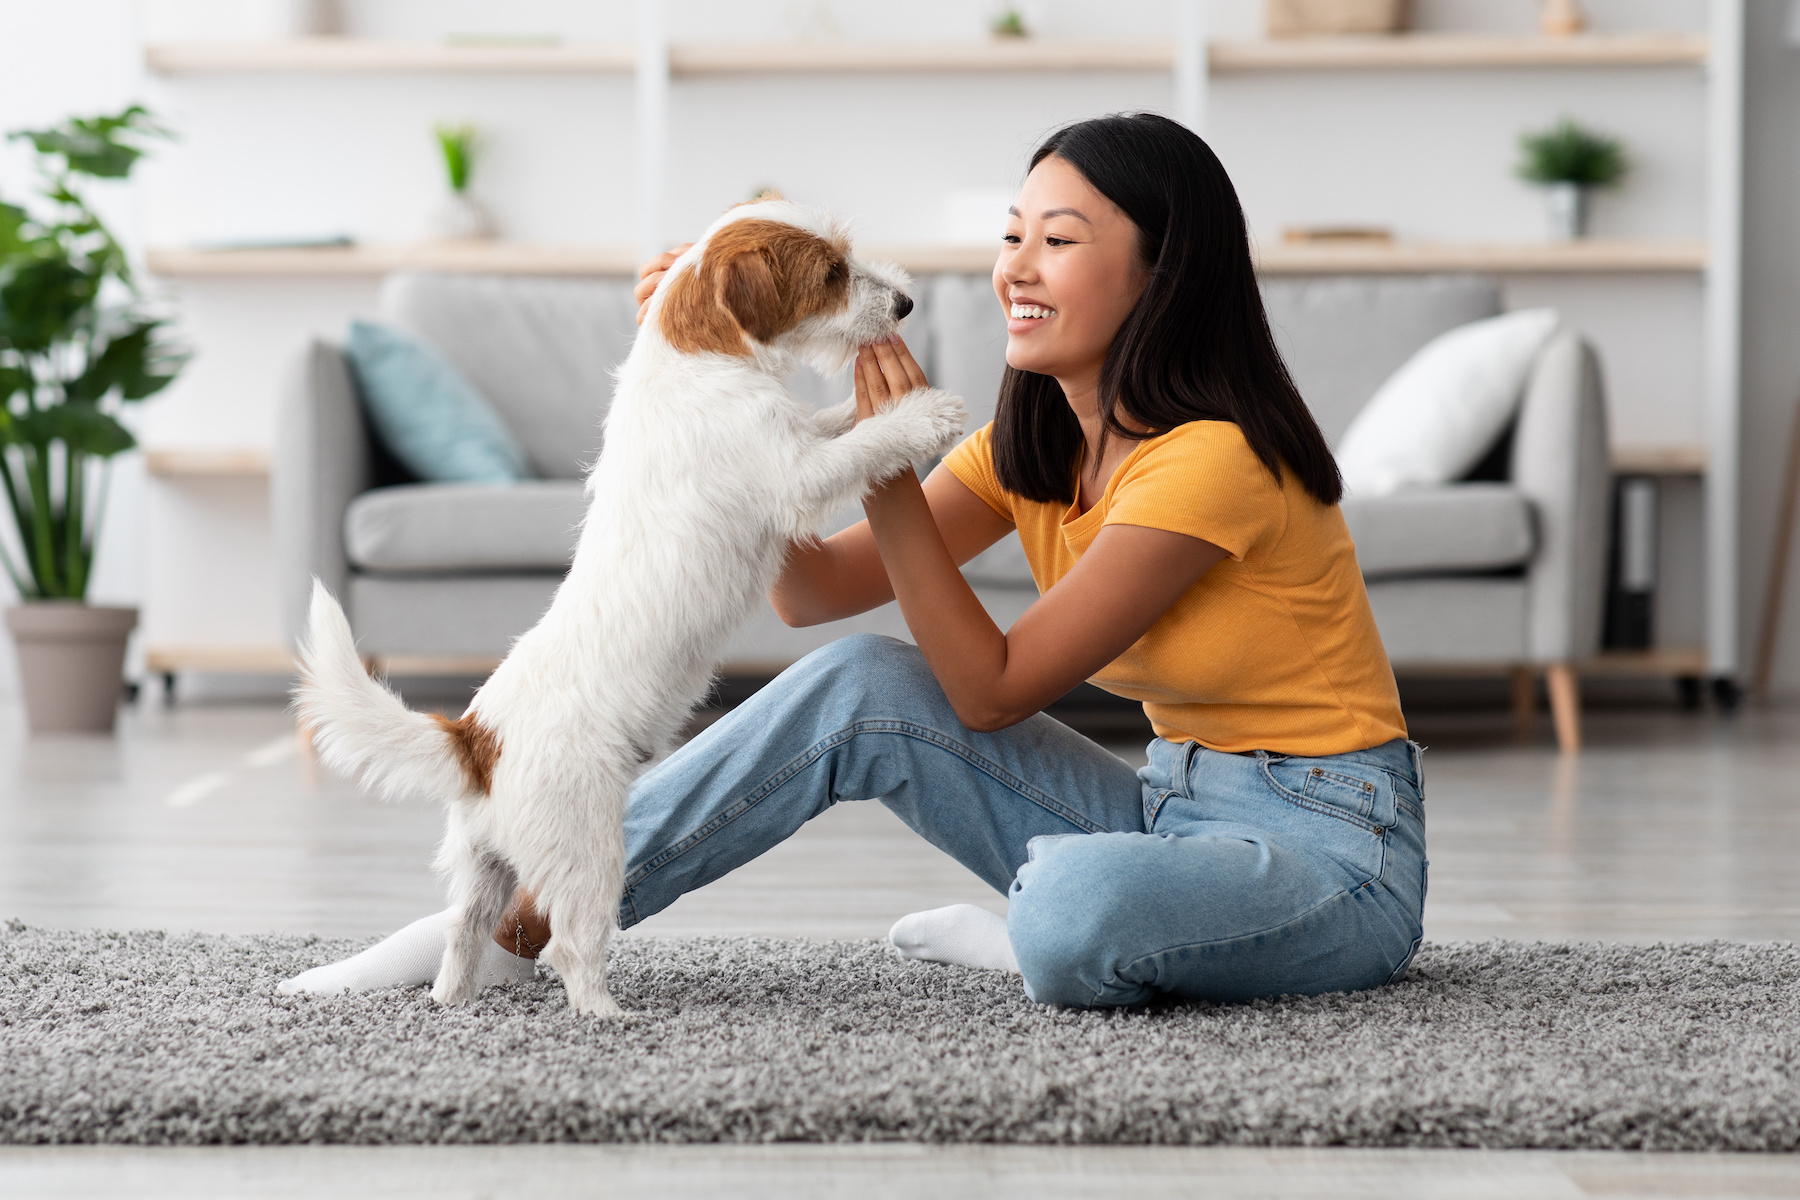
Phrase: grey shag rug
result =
(149, 1038)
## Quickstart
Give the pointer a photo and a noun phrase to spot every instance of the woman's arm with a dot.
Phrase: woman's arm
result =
(844, 575)
(1124, 582)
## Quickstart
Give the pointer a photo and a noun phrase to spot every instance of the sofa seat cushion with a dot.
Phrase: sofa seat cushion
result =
(528, 526)
(1458, 527)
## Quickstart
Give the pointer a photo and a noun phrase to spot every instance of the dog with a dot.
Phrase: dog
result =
(710, 469)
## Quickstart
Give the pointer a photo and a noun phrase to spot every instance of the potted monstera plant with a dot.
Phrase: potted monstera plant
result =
(76, 342)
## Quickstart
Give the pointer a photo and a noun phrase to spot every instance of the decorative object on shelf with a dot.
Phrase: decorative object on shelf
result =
(1569, 162)
(1315, 235)
(76, 341)
(1009, 24)
(1562, 18)
(1309, 18)
(459, 216)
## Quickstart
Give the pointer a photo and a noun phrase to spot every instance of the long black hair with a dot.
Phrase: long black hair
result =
(1195, 347)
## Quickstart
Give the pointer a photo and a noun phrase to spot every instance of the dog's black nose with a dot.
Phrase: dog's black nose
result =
(902, 305)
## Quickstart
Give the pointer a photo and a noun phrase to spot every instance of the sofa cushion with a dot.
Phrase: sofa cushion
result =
(1441, 413)
(1433, 530)
(461, 527)
(541, 350)
(426, 414)
(1343, 336)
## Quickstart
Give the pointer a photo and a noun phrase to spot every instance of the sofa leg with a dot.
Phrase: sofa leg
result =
(1524, 701)
(1565, 705)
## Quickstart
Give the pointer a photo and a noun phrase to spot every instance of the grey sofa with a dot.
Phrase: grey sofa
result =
(1502, 571)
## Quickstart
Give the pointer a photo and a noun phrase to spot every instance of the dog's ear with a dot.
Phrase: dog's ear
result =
(748, 290)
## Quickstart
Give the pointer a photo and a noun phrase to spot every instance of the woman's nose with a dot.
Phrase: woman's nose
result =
(903, 304)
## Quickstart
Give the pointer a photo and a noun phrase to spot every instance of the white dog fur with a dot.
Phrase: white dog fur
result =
(710, 469)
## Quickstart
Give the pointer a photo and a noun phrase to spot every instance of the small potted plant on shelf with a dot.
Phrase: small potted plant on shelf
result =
(1569, 162)
(460, 217)
(76, 342)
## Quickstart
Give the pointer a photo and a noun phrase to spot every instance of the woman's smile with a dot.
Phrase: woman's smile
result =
(1024, 316)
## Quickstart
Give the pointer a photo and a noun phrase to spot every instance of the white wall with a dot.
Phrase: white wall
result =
(1427, 153)
(1771, 318)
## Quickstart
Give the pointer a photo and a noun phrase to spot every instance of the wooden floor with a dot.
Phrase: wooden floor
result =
(1670, 826)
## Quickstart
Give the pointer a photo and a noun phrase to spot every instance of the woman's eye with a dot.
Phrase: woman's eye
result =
(1011, 239)
(1056, 241)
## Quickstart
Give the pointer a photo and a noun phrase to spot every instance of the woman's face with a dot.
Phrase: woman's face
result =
(1068, 273)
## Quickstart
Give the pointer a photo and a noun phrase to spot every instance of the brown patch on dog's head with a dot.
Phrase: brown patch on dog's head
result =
(757, 279)
(476, 747)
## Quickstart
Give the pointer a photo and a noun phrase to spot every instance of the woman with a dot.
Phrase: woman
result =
(1178, 507)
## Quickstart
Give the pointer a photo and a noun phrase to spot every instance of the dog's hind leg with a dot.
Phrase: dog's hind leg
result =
(584, 910)
(481, 883)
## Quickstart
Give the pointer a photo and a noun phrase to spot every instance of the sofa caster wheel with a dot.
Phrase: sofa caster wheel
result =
(1693, 692)
(1727, 694)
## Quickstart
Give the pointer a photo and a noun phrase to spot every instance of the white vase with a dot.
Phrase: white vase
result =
(1566, 207)
(459, 217)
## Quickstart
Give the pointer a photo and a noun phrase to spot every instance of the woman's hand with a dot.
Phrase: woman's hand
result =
(885, 371)
(650, 274)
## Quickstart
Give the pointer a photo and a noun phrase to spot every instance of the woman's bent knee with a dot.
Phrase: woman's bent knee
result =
(1070, 919)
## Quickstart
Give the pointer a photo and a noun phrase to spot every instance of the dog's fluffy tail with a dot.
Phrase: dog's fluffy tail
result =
(361, 728)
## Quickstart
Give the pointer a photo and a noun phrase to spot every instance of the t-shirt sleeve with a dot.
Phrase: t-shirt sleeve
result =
(972, 461)
(1203, 480)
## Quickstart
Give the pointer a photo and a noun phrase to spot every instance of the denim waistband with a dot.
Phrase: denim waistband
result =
(1400, 757)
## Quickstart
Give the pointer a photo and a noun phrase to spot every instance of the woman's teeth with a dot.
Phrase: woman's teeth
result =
(1031, 312)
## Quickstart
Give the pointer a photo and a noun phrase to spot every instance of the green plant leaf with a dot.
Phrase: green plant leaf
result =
(43, 297)
(13, 380)
(13, 220)
(103, 147)
(134, 362)
(81, 427)
(1567, 153)
(457, 142)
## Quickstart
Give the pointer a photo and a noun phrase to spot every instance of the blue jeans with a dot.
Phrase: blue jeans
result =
(1204, 875)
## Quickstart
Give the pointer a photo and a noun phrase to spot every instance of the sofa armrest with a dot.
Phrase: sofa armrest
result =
(1561, 462)
(322, 462)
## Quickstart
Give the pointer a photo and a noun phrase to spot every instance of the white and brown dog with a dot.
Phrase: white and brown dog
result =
(710, 469)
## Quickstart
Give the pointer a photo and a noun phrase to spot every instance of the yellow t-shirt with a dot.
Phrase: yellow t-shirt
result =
(1273, 649)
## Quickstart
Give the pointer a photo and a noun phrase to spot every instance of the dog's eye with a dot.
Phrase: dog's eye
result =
(837, 272)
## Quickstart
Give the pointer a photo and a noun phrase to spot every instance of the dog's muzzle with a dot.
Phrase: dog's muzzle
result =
(902, 305)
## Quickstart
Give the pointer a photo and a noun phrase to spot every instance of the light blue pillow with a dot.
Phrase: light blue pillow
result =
(426, 414)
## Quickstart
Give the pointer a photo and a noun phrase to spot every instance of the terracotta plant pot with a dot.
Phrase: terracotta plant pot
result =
(72, 663)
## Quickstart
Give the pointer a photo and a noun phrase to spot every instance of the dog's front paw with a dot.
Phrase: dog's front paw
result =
(837, 420)
(931, 421)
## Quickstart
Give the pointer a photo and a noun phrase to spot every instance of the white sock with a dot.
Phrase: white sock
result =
(962, 934)
(407, 959)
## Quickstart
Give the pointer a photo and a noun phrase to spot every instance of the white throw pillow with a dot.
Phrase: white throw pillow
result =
(1435, 417)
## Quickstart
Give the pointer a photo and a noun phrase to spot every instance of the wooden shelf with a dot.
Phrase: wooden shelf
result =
(830, 57)
(1513, 258)
(1666, 461)
(333, 55)
(171, 658)
(517, 258)
(498, 258)
(207, 463)
(1441, 50)
(1419, 50)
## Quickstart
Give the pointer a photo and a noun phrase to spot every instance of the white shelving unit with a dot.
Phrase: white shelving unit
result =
(1191, 57)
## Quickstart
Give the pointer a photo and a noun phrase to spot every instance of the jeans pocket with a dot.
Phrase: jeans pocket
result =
(1333, 813)
(1362, 802)
(1153, 803)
